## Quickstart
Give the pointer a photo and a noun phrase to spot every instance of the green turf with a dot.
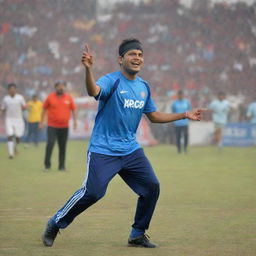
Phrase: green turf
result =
(207, 205)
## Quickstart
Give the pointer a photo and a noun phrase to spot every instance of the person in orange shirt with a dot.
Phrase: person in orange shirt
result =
(58, 105)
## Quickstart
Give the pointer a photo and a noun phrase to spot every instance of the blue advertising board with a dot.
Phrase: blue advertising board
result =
(239, 134)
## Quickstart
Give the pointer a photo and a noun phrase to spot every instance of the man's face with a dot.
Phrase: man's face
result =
(221, 96)
(12, 90)
(132, 61)
(60, 89)
(180, 95)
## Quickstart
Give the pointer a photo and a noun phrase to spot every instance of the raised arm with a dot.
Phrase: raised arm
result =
(87, 59)
(160, 117)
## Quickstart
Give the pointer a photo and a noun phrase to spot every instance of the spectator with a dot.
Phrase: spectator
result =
(193, 39)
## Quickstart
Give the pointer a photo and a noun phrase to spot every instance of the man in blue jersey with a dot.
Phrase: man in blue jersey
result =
(123, 99)
(181, 105)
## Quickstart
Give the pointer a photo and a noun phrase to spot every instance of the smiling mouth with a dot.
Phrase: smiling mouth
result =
(135, 64)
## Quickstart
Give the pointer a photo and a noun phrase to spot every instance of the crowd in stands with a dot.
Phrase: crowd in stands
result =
(202, 50)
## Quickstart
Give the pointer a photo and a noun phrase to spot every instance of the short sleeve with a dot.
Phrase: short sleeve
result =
(150, 105)
(3, 106)
(211, 105)
(249, 111)
(105, 83)
(46, 103)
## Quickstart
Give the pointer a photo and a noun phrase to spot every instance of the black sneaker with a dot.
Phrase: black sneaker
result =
(141, 241)
(50, 233)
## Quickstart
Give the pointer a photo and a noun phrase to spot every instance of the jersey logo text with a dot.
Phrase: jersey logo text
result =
(128, 103)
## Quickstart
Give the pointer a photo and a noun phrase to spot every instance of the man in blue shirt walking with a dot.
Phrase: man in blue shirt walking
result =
(123, 99)
(181, 105)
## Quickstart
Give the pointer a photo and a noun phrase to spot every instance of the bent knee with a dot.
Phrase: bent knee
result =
(156, 186)
(94, 196)
(153, 187)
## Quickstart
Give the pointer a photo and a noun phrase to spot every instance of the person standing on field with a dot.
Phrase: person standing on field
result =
(251, 112)
(220, 108)
(181, 105)
(13, 105)
(123, 98)
(58, 106)
(34, 108)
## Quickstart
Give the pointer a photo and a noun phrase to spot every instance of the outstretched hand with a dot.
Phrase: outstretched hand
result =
(87, 58)
(195, 114)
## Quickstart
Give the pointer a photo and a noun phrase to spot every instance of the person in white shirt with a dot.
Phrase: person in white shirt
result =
(13, 105)
(220, 109)
(251, 112)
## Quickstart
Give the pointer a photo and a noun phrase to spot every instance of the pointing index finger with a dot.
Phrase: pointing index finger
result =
(86, 48)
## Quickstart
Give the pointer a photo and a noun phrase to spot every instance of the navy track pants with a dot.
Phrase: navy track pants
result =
(134, 169)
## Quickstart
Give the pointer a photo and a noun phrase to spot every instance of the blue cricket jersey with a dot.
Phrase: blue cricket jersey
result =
(118, 116)
(181, 106)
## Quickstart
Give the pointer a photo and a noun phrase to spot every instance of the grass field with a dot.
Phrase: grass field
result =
(207, 205)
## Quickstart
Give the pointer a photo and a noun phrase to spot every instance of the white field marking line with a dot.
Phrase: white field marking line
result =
(9, 248)
(15, 209)
(22, 217)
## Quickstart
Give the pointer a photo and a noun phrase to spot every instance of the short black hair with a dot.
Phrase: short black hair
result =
(127, 41)
(60, 82)
(9, 86)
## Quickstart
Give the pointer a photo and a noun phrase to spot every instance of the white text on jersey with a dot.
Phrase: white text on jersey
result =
(128, 103)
